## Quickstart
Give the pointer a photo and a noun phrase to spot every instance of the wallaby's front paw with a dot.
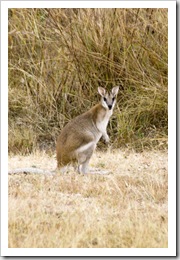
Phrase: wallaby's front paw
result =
(106, 139)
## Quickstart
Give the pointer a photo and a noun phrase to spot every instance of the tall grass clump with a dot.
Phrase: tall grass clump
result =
(58, 58)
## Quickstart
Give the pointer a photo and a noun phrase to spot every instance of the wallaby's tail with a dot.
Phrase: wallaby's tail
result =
(31, 170)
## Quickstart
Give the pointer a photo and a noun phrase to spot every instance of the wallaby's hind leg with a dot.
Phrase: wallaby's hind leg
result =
(84, 157)
(83, 168)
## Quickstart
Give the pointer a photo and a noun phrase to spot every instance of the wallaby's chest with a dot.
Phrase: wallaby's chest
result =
(102, 121)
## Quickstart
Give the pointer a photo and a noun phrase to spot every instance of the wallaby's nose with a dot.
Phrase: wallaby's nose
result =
(110, 106)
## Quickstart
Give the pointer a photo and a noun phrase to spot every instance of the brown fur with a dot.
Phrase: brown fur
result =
(70, 137)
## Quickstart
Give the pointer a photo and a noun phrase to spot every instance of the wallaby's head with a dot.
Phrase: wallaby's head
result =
(108, 100)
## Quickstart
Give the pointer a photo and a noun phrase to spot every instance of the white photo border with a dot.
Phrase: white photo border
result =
(171, 250)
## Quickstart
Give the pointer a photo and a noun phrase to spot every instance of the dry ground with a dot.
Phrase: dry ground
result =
(126, 208)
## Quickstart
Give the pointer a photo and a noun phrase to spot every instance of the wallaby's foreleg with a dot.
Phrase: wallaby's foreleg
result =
(105, 137)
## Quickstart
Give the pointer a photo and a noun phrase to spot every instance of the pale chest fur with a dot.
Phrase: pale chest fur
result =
(103, 120)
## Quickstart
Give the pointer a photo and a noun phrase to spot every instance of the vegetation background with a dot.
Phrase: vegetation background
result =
(58, 58)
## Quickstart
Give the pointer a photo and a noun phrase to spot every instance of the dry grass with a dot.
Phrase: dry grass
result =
(59, 57)
(126, 208)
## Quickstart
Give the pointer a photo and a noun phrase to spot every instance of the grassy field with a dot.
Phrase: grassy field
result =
(125, 208)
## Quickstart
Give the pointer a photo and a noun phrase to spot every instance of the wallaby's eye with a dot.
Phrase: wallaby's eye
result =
(113, 98)
(105, 99)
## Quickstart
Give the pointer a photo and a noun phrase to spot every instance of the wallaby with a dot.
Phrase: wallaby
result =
(79, 137)
(77, 140)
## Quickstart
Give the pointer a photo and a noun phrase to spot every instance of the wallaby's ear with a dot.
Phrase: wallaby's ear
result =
(115, 90)
(102, 91)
